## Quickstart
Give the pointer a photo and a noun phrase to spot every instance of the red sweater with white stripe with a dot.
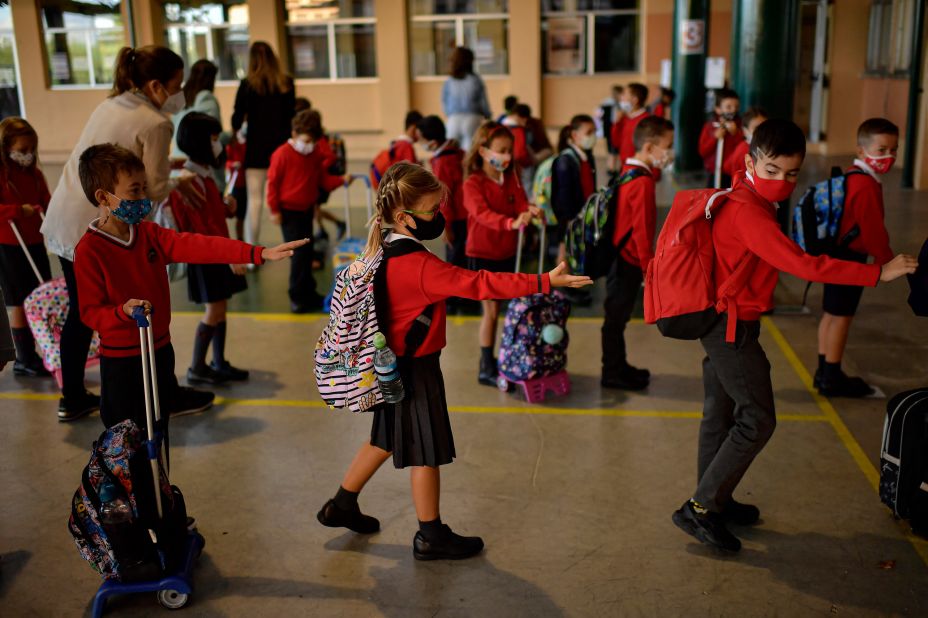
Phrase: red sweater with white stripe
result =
(491, 207)
(294, 179)
(636, 212)
(863, 206)
(417, 280)
(747, 223)
(448, 167)
(110, 272)
(623, 133)
(20, 186)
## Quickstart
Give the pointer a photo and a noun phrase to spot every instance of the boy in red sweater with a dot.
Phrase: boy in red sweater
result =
(235, 175)
(120, 264)
(297, 173)
(738, 412)
(862, 233)
(633, 102)
(635, 220)
(735, 163)
(447, 164)
(725, 126)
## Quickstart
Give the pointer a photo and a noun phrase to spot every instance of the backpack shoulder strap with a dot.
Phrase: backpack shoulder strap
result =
(632, 174)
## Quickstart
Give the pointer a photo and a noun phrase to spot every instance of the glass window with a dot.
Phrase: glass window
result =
(590, 36)
(332, 39)
(889, 39)
(438, 26)
(82, 40)
(216, 31)
(9, 70)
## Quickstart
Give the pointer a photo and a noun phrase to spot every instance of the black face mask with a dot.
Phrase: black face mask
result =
(729, 116)
(428, 230)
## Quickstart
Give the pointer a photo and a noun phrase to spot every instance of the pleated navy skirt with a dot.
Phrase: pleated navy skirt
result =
(417, 430)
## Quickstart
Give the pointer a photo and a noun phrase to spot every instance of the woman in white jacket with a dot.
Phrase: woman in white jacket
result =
(146, 89)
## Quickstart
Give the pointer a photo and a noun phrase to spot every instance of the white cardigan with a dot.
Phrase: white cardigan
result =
(129, 120)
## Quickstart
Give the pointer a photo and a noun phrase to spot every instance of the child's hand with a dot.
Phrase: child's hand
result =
(28, 210)
(898, 266)
(283, 251)
(560, 278)
(132, 303)
(231, 204)
(731, 127)
(537, 212)
(238, 269)
(275, 218)
(720, 132)
(522, 220)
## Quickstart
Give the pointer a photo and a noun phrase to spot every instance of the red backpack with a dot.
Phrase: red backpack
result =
(680, 293)
(381, 163)
(520, 152)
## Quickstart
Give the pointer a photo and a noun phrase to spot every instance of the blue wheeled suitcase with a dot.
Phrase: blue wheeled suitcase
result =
(155, 546)
(350, 247)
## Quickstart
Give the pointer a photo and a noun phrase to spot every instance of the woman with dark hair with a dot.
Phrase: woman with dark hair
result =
(198, 94)
(146, 89)
(266, 101)
(464, 98)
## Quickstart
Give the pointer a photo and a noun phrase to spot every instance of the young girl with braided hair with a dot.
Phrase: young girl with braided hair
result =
(412, 282)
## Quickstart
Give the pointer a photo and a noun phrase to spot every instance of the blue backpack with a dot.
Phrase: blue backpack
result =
(817, 216)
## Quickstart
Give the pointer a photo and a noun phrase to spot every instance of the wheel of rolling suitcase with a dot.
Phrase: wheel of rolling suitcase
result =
(503, 384)
(172, 599)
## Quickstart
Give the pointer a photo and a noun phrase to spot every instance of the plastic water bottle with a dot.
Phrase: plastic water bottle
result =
(113, 509)
(391, 385)
(124, 536)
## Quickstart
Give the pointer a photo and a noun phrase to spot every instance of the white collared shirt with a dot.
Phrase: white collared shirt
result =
(638, 113)
(199, 170)
(394, 236)
(579, 151)
(638, 162)
(92, 226)
(863, 165)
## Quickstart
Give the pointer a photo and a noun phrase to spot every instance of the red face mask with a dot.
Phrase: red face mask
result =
(880, 165)
(772, 190)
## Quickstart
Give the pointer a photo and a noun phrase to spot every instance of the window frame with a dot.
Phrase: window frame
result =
(889, 29)
(331, 47)
(589, 22)
(459, 19)
(88, 42)
(211, 53)
(17, 75)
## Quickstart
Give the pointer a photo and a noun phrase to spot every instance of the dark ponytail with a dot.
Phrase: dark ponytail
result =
(135, 67)
(563, 138)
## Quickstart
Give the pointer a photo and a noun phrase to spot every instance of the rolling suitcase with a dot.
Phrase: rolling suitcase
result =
(533, 348)
(350, 247)
(174, 543)
(904, 458)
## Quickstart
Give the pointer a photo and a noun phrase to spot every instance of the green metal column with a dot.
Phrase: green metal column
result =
(690, 38)
(764, 54)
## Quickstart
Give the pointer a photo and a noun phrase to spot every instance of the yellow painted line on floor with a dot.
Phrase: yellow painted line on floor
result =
(308, 318)
(844, 434)
(538, 410)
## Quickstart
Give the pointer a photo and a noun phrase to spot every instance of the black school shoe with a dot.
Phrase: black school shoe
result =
(30, 369)
(448, 546)
(71, 409)
(845, 386)
(205, 375)
(708, 528)
(627, 381)
(190, 401)
(333, 517)
(488, 373)
(230, 373)
(740, 514)
(642, 374)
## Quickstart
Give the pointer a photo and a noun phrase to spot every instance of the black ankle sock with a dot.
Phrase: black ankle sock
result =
(486, 355)
(832, 371)
(24, 343)
(201, 344)
(219, 345)
(821, 363)
(346, 500)
(431, 530)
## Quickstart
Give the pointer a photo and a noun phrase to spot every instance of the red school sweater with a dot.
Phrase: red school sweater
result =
(110, 272)
(734, 163)
(636, 212)
(747, 224)
(491, 207)
(708, 144)
(448, 166)
(863, 207)
(20, 186)
(235, 161)
(623, 132)
(294, 179)
(417, 280)
(208, 219)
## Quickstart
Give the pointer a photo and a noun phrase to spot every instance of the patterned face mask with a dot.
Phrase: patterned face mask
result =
(131, 211)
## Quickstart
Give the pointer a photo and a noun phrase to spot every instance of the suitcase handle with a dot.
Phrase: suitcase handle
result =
(541, 250)
(22, 243)
(370, 201)
(152, 403)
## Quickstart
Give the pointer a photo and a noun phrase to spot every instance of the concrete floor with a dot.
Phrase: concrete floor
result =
(573, 497)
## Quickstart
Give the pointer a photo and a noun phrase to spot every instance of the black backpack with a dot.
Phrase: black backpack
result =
(904, 458)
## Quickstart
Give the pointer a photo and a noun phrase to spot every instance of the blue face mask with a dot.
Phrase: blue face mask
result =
(131, 211)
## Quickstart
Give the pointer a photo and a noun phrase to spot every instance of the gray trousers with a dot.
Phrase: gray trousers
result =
(738, 413)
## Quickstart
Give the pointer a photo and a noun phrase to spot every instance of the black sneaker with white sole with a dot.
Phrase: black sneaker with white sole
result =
(73, 408)
(707, 528)
(190, 401)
